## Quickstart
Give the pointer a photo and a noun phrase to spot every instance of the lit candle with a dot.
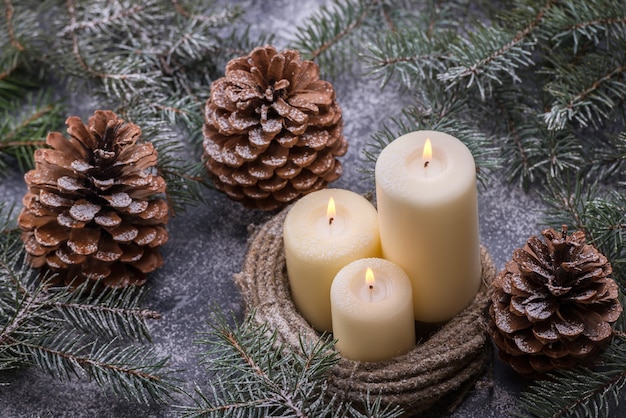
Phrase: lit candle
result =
(324, 231)
(372, 310)
(428, 215)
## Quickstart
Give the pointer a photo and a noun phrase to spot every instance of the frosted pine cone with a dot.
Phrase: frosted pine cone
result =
(91, 211)
(554, 304)
(272, 129)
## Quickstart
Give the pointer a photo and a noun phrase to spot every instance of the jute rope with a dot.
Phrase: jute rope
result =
(446, 361)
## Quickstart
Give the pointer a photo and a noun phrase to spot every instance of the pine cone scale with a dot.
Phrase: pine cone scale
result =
(83, 210)
(271, 128)
(108, 250)
(545, 332)
(54, 200)
(529, 264)
(276, 156)
(510, 323)
(84, 241)
(540, 310)
(67, 256)
(51, 234)
(527, 343)
(80, 133)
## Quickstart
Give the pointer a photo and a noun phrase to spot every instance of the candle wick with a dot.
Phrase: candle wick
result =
(371, 287)
(330, 221)
(426, 164)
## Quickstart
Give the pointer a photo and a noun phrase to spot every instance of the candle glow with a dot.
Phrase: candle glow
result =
(369, 278)
(427, 155)
(331, 212)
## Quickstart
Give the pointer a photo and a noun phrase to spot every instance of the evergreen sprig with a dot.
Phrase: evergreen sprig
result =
(75, 333)
(334, 34)
(25, 120)
(257, 376)
(581, 392)
(588, 91)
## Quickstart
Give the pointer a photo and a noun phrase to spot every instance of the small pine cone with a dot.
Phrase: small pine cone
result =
(272, 129)
(554, 304)
(91, 211)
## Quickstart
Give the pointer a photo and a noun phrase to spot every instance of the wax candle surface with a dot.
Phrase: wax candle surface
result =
(428, 215)
(319, 244)
(372, 313)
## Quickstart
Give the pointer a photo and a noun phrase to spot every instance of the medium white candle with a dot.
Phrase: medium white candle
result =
(372, 310)
(319, 242)
(428, 215)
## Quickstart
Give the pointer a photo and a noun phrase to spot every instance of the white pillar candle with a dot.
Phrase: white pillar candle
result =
(372, 310)
(428, 215)
(318, 244)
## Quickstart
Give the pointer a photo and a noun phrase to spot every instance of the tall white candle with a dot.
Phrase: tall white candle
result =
(319, 242)
(372, 310)
(428, 215)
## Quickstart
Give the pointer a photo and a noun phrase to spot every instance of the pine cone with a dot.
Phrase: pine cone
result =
(553, 305)
(273, 129)
(90, 212)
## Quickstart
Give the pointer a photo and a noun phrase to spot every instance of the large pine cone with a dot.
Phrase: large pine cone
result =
(273, 129)
(553, 305)
(91, 211)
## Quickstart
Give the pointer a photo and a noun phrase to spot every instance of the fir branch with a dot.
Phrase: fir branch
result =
(479, 60)
(19, 65)
(545, 154)
(25, 123)
(130, 372)
(9, 12)
(257, 376)
(60, 331)
(112, 313)
(587, 92)
(341, 33)
(610, 159)
(598, 21)
(581, 392)
(332, 33)
(411, 53)
(490, 51)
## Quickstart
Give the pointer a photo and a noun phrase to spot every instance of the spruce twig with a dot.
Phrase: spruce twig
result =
(75, 334)
(334, 34)
(25, 129)
(257, 376)
(581, 391)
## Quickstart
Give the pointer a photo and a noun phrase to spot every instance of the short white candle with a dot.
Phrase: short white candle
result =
(318, 244)
(428, 215)
(372, 310)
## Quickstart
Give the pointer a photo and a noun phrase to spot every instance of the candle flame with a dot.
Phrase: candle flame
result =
(331, 212)
(428, 151)
(369, 278)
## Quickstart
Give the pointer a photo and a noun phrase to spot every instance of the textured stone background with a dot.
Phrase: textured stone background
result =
(208, 242)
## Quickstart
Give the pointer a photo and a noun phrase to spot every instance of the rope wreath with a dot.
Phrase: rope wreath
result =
(449, 359)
